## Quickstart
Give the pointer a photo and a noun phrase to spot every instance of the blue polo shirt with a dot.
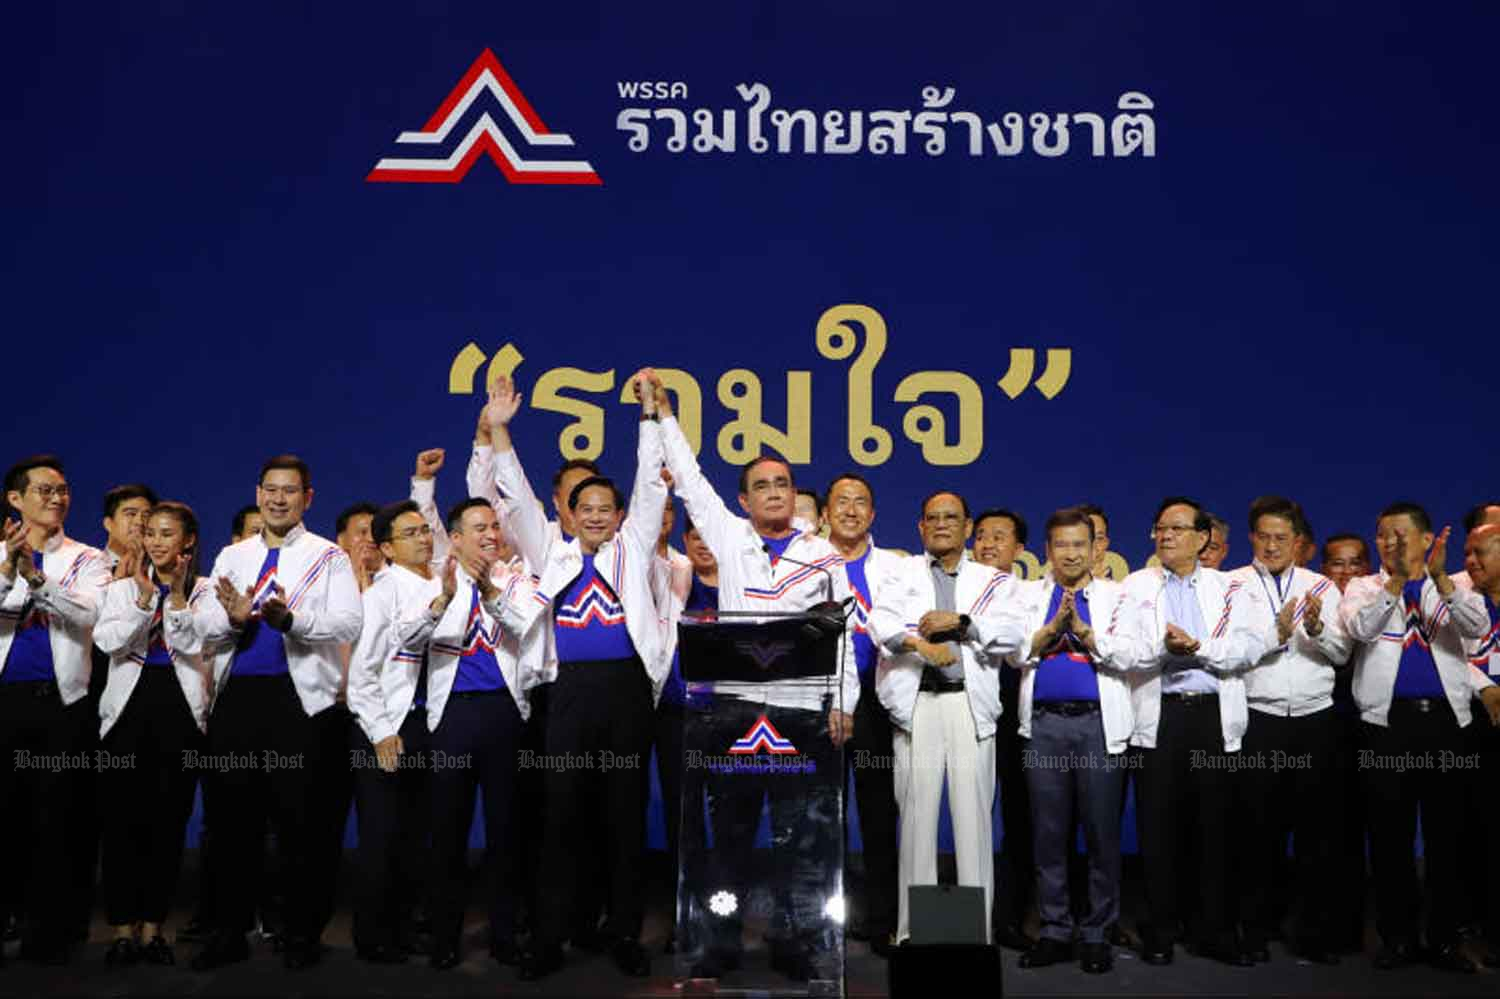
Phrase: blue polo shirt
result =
(1417, 674)
(477, 667)
(30, 655)
(590, 620)
(1065, 672)
(261, 650)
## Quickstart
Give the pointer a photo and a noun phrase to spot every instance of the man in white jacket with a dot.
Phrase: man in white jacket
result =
(849, 512)
(1413, 683)
(768, 564)
(945, 624)
(1293, 734)
(51, 593)
(1074, 708)
(287, 602)
(1195, 629)
(608, 650)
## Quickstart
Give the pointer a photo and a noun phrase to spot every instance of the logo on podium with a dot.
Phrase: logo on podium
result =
(763, 736)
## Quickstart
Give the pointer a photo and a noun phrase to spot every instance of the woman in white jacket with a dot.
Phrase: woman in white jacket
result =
(153, 710)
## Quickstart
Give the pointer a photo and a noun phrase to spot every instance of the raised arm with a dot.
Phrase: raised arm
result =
(711, 517)
(424, 494)
(526, 517)
(649, 496)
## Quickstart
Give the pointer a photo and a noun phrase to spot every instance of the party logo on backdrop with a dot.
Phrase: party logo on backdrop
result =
(463, 129)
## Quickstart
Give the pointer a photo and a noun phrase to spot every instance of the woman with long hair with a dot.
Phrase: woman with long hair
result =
(154, 709)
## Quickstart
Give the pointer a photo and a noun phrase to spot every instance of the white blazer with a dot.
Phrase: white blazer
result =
(320, 590)
(625, 562)
(510, 621)
(1110, 666)
(1377, 621)
(71, 596)
(124, 634)
(1484, 653)
(1294, 679)
(988, 596)
(1235, 642)
(810, 572)
(383, 673)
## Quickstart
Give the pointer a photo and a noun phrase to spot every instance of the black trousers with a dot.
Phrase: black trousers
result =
(1351, 849)
(147, 798)
(41, 756)
(395, 819)
(805, 828)
(1015, 874)
(599, 729)
(262, 757)
(328, 808)
(1188, 771)
(1486, 742)
(667, 740)
(474, 751)
(871, 756)
(1293, 788)
(1414, 764)
(531, 800)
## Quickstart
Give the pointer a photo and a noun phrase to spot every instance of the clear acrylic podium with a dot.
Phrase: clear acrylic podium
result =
(755, 913)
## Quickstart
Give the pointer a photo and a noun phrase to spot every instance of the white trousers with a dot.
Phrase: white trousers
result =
(943, 741)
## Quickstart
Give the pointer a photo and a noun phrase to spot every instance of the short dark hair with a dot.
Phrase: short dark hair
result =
(572, 465)
(1201, 521)
(1068, 516)
(687, 522)
(944, 492)
(1017, 522)
(129, 491)
(1215, 522)
(596, 480)
(456, 512)
(1276, 506)
(761, 459)
(813, 494)
(380, 527)
(1095, 510)
(1304, 525)
(15, 478)
(237, 526)
(1364, 547)
(850, 477)
(1415, 511)
(286, 461)
(1474, 516)
(352, 511)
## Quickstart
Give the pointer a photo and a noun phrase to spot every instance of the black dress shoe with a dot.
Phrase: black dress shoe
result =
(122, 953)
(631, 958)
(1047, 951)
(1156, 951)
(505, 952)
(1228, 952)
(1316, 952)
(1116, 937)
(443, 958)
(540, 962)
(1095, 958)
(792, 962)
(1393, 956)
(222, 949)
(301, 954)
(158, 952)
(196, 929)
(1258, 953)
(1010, 935)
(1450, 957)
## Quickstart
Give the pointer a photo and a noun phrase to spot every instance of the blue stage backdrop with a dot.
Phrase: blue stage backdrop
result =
(1039, 253)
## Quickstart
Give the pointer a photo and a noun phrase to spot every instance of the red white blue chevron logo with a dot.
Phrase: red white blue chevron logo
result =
(461, 130)
(763, 736)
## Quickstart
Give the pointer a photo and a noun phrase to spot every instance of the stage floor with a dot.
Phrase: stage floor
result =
(588, 975)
